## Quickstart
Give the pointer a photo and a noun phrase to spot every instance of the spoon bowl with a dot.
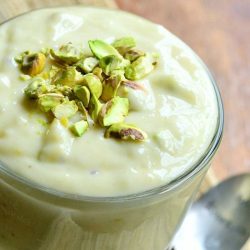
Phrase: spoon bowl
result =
(220, 219)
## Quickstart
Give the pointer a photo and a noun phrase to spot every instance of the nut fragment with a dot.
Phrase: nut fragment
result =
(79, 128)
(114, 111)
(33, 64)
(111, 63)
(67, 53)
(69, 76)
(141, 67)
(87, 65)
(83, 94)
(98, 72)
(36, 87)
(101, 49)
(47, 102)
(126, 132)
(94, 107)
(65, 109)
(133, 54)
(124, 44)
(93, 83)
(110, 87)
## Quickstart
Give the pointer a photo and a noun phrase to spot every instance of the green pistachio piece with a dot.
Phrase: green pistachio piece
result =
(133, 54)
(69, 76)
(101, 49)
(67, 53)
(83, 94)
(112, 63)
(124, 44)
(114, 111)
(47, 102)
(126, 132)
(98, 72)
(87, 64)
(141, 67)
(19, 58)
(110, 87)
(65, 109)
(94, 107)
(53, 71)
(36, 87)
(93, 83)
(33, 64)
(64, 90)
(79, 128)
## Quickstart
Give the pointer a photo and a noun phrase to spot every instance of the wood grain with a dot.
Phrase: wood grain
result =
(219, 31)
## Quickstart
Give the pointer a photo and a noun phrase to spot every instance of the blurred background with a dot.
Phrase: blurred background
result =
(219, 32)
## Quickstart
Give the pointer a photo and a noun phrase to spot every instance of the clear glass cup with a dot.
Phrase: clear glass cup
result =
(35, 217)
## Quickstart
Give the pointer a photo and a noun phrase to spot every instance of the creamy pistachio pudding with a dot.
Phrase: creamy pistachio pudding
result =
(100, 103)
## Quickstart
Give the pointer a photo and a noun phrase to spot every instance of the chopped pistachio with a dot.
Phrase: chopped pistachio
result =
(24, 77)
(141, 67)
(69, 77)
(19, 58)
(36, 87)
(82, 109)
(126, 132)
(65, 109)
(98, 72)
(110, 87)
(64, 121)
(64, 90)
(124, 44)
(87, 64)
(101, 49)
(133, 54)
(33, 64)
(45, 51)
(67, 53)
(53, 71)
(114, 111)
(79, 128)
(47, 102)
(83, 94)
(94, 107)
(93, 83)
(111, 63)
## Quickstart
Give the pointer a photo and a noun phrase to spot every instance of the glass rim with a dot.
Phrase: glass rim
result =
(159, 190)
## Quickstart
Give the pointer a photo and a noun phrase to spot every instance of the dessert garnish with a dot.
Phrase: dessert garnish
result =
(81, 89)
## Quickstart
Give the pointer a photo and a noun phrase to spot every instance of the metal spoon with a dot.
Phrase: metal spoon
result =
(219, 220)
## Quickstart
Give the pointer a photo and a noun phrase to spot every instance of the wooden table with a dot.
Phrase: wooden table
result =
(219, 31)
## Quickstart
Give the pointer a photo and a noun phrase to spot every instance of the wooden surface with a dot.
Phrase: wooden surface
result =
(219, 32)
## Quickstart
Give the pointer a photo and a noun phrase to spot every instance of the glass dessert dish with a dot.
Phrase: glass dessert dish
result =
(36, 216)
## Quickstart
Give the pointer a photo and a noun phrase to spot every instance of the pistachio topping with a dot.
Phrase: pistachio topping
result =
(126, 132)
(85, 89)
(47, 102)
(67, 53)
(87, 65)
(110, 63)
(101, 49)
(141, 67)
(79, 128)
(114, 111)
(69, 77)
(124, 44)
(65, 109)
(133, 54)
(83, 94)
(110, 87)
(31, 63)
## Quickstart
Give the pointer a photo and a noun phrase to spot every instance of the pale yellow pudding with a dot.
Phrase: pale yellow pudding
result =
(59, 191)
(177, 111)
